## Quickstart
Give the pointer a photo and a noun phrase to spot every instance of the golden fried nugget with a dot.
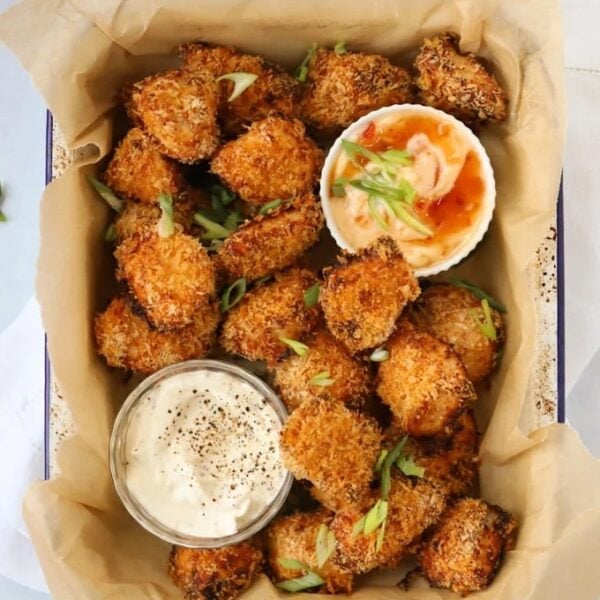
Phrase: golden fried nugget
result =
(413, 506)
(215, 574)
(465, 549)
(458, 83)
(343, 87)
(274, 90)
(449, 462)
(424, 383)
(273, 160)
(271, 242)
(253, 327)
(294, 537)
(138, 170)
(334, 448)
(363, 297)
(126, 339)
(170, 277)
(452, 314)
(351, 381)
(178, 109)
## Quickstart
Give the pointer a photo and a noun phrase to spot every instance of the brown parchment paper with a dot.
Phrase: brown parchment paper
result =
(79, 52)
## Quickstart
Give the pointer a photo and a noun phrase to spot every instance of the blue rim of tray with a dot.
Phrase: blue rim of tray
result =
(560, 313)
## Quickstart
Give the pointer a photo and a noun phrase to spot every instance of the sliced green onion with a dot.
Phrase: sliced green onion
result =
(311, 296)
(408, 466)
(376, 516)
(262, 280)
(379, 355)
(233, 294)
(214, 231)
(478, 292)
(293, 564)
(390, 459)
(354, 150)
(400, 157)
(322, 379)
(241, 81)
(298, 347)
(358, 527)
(107, 194)
(404, 214)
(221, 194)
(340, 48)
(380, 459)
(265, 209)
(338, 188)
(233, 219)
(407, 190)
(110, 235)
(166, 226)
(487, 324)
(310, 580)
(325, 544)
(302, 70)
(214, 246)
(374, 212)
(380, 537)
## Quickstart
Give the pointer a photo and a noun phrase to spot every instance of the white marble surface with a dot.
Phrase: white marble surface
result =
(22, 135)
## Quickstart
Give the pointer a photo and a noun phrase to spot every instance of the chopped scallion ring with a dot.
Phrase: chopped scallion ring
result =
(325, 544)
(408, 466)
(298, 347)
(340, 48)
(214, 231)
(269, 207)
(338, 188)
(322, 379)
(386, 467)
(373, 204)
(376, 516)
(380, 536)
(293, 564)
(233, 294)
(479, 293)
(302, 70)
(380, 460)
(379, 355)
(107, 194)
(241, 82)
(311, 296)
(358, 527)
(400, 157)
(306, 582)
(262, 280)
(487, 324)
(110, 235)
(166, 226)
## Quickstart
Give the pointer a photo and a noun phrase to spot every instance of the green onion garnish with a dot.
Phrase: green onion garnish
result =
(400, 157)
(340, 48)
(166, 226)
(408, 466)
(302, 70)
(311, 296)
(376, 516)
(110, 235)
(380, 460)
(487, 324)
(322, 379)
(214, 231)
(358, 527)
(374, 212)
(107, 194)
(379, 355)
(292, 564)
(269, 207)
(241, 81)
(298, 347)
(386, 467)
(405, 214)
(262, 280)
(221, 194)
(380, 537)
(325, 544)
(479, 293)
(233, 219)
(307, 581)
(233, 294)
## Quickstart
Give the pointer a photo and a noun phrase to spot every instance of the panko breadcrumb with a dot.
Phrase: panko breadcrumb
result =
(273, 91)
(363, 297)
(351, 381)
(178, 109)
(334, 448)
(215, 574)
(294, 537)
(170, 277)
(424, 383)
(464, 551)
(126, 339)
(452, 314)
(458, 83)
(343, 87)
(253, 327)
(271, 242)
(138, 170)
(273, 160)
(413, 506)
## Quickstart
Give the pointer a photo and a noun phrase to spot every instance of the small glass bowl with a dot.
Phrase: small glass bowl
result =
(117, 456)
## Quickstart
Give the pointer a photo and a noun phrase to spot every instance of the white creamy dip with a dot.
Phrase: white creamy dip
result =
(202, 453)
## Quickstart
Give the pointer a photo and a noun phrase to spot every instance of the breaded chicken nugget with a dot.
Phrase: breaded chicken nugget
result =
(413, 506)
(253, 327)
(126, 340)
(424, 383)
(274, 90)
(170, 277)
(363, 297)
(334, 448)
(179, 109)
(449, 462)
(271, 242)
(466, 547)
(215, 574)
(138, 170)
(294, 376)
(452, 314)
(343, 87)
(294, 537)
(273, 160)
(458, 83)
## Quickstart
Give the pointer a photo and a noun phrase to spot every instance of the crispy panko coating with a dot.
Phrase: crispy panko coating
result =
(449, 462)
(274, 90)
(363, 297)
(458, 83)
(215, 574)
(126, 339)
(295, 537)
(352, 383)
(466, 547)
(424, 383)
(171, 278)
(138, 170)
(273, 160)
(334, 448)
(253, 327)
(451, 314)
(343, 87)
(271, 242)
(178, 109)
(413, 506)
